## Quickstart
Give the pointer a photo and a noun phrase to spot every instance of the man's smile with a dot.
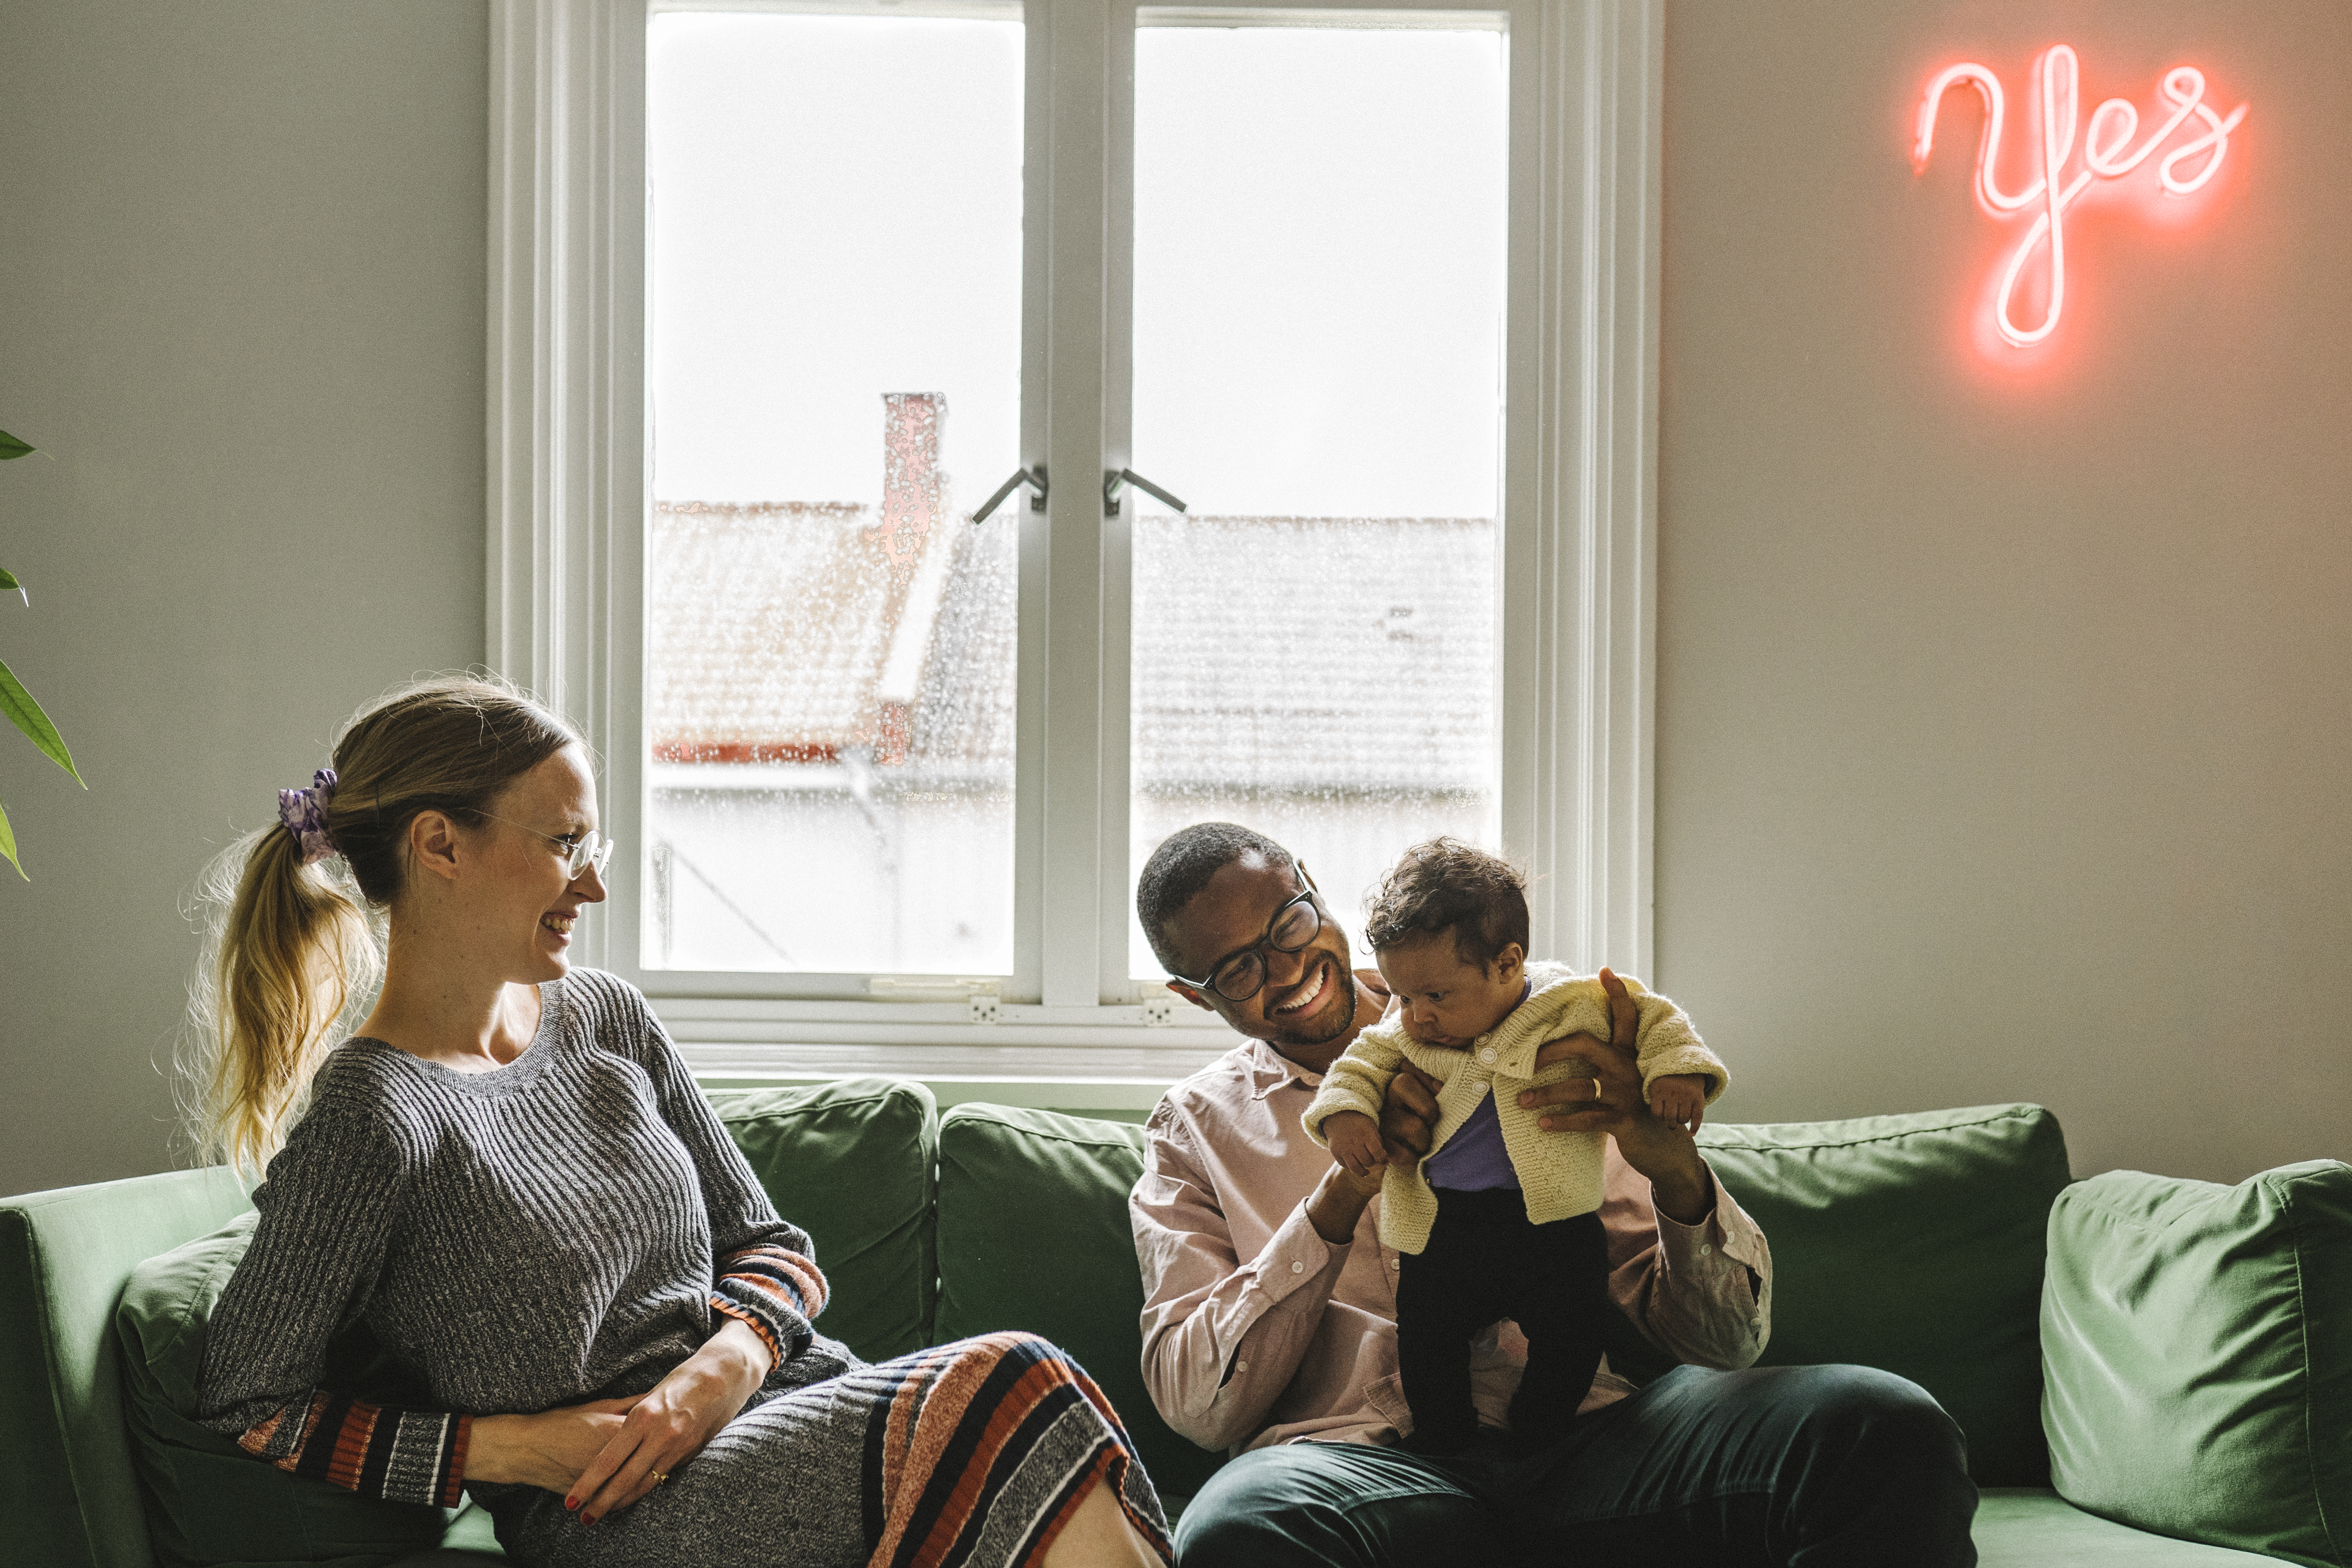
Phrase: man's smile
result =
(1310, 991)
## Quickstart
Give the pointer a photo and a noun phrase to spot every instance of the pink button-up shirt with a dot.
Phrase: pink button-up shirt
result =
(1257, 1330)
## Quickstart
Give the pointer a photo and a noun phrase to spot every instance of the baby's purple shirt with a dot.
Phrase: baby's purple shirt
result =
(1475, 1159)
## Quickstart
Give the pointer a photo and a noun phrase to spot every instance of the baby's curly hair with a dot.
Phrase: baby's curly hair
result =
(1447, 884)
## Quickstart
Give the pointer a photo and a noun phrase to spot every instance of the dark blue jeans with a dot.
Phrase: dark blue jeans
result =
(1813, 1467)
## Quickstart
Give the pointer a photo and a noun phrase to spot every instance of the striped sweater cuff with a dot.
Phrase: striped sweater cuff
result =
(378, 1451)
(776, 1291)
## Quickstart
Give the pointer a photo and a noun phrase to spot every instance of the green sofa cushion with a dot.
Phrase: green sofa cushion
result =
(208, 1502)
(1914, 1244)
(2021, 1527)
(2197, 1343)
(853, 1165)
(1033, 1234)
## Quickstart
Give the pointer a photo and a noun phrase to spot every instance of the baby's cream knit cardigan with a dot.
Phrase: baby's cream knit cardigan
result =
(1559, 1173)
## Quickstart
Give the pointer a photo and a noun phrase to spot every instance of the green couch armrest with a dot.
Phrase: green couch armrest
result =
(66, 1487)
(2196, 1343)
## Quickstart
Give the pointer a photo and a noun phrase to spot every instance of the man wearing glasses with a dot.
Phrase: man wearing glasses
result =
(1269, 1317)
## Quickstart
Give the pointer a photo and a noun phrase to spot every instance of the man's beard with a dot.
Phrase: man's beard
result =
(1346, 1015)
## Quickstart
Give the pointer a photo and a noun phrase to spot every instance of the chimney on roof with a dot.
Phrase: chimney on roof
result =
(910, 475)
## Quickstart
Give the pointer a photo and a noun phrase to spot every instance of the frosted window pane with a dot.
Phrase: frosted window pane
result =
(1319, 297)
(835, 216)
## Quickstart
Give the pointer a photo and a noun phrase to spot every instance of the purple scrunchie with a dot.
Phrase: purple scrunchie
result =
(304, 813)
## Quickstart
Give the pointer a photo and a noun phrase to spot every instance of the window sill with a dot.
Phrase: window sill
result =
(748, 1039)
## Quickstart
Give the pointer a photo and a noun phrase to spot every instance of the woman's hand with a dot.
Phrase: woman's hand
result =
(669, 1425)
(549, 1450)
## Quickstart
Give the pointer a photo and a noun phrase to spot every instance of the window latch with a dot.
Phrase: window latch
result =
(1117, 479)
(982, 1001)
(1033, 478)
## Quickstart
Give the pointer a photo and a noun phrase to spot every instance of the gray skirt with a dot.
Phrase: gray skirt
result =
(973, 1453)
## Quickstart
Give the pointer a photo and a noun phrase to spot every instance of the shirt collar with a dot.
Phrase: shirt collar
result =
(1269, 1069)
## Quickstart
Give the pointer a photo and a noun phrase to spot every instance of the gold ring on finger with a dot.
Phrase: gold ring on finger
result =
(660, 1476)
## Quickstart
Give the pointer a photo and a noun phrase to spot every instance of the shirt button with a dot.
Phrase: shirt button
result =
(1487, 1055)
(1705, 1247)
(1395, 1264)
(1241, 1366)
(1296, 1268)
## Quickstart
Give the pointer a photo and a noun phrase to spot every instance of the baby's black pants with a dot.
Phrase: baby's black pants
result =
(1485, 1261)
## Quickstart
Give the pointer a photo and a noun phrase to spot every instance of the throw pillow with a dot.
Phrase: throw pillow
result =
(2198, 1347)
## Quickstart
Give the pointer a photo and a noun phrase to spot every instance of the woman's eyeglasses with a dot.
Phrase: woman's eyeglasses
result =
(594, 849)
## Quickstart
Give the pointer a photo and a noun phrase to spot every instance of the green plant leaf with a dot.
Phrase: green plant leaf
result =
(8, 585)
(9, 844)
(11, 447)
(26, 715)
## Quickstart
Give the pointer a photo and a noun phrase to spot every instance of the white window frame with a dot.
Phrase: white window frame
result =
(567, 497)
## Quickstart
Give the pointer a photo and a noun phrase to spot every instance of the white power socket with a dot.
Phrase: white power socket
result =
(1158, 1006)
(983, 1007)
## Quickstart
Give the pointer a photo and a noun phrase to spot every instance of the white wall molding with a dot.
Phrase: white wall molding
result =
(1580, 588)
(566, 398)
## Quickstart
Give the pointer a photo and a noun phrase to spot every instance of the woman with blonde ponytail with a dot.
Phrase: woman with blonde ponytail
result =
(507, 1174)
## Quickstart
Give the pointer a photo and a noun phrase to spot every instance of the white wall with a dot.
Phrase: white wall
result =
(2004, 723)
(241, 307)
(2003, 727)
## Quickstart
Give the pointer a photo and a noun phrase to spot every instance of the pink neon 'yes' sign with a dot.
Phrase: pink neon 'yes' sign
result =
(2107, 154)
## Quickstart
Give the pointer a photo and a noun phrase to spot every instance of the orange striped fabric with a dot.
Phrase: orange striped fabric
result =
(775, 1290)
(976, 1439)
(403, 1456)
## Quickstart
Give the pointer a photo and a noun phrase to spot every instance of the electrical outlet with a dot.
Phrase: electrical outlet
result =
(1158, 1006)
(983, 1007)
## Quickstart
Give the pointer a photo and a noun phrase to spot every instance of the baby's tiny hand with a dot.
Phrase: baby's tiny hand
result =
(1679, 1098)
(1355, 1139)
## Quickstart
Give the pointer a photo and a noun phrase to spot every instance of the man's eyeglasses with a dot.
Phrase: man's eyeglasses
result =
(1242, 976)
(594, 849)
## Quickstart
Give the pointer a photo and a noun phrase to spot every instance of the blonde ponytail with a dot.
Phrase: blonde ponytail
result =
(295, 951)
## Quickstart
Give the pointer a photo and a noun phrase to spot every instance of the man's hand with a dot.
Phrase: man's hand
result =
(1611, 1102)
(1339, 1201)
(1355, 1141)
(1409, 1115)
(671, 1423)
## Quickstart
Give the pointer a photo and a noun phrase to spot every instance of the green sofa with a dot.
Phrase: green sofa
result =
(2150, 1372)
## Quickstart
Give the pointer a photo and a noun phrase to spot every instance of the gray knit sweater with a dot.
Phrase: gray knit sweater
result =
(560, 1229)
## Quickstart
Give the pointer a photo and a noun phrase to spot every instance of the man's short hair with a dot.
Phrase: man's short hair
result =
(1182, 866)
(1446, 885)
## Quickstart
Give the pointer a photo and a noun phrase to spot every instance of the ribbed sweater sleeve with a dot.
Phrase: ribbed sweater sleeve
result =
(327, 1206)
(763, 1268)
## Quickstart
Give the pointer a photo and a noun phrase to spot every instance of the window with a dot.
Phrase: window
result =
(829, 660)
(1320, 224)
(1371, 292)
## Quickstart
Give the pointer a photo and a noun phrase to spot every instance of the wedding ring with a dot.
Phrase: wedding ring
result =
(1596, 1089)
(658, 1476)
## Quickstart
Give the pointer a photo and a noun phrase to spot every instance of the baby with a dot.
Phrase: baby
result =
(1501, 1219)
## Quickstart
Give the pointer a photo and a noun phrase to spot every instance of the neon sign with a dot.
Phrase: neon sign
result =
(2107, 153)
